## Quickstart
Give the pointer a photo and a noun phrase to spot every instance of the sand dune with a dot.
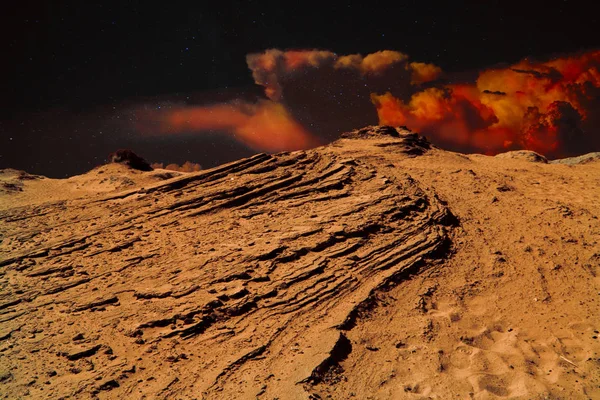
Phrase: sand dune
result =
(377, 267)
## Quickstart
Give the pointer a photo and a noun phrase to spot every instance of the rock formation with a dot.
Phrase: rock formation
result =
(375, 267)
(129, 158)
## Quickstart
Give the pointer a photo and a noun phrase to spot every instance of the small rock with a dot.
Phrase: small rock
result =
(134, 333)
(76, 355)
(130, 370)
(5, 376)
(108, 385)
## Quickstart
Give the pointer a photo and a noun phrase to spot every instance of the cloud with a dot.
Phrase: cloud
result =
(187, 166)
(314, 95)
(274, 68)
(550, 107)
(263, 126)
(423, 73)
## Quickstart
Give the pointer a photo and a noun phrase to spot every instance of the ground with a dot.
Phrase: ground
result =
(375, 267)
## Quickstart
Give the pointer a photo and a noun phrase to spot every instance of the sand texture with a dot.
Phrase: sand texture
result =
(377, 267)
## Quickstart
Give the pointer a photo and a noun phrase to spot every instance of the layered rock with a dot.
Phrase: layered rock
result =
(230, 282)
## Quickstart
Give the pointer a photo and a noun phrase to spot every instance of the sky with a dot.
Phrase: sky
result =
(210, 82)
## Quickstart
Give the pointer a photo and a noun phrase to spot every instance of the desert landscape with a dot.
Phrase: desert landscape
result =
(375, 267)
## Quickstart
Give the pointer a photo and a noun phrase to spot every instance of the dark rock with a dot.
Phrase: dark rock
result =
(5, 376)
(83, 353)
(108, 385)
(130, 370)
(129, 158)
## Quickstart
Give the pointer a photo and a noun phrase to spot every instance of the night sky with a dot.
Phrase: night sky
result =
(73, 70)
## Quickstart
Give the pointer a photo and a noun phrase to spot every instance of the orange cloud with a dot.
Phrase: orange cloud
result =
(537, 106)
(268, 67)
(550, 107)
(272, 68)
(449, 115)
(422, 72)
(265, 126)
(376, 62)
(187, 166)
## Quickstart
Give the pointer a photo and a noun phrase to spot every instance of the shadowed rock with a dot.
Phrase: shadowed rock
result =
(129, 158)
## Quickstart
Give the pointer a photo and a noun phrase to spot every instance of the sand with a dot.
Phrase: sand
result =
(377, 267)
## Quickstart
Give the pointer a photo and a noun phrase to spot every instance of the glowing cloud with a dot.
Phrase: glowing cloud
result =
(538, 106)
(272, 68)
(550, 107)
(265, 126)
(187, 166)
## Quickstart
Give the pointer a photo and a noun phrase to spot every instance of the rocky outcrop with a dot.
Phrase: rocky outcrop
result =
(378, 266)
(583, 159)
(234, 282)
(407, 142)
(525, 155)
(12, 180)
(129, 158)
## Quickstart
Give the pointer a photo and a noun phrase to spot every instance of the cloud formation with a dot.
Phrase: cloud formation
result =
(549, 107)
(274, 68)
(313, 95)
(263, 126)
(187, 166)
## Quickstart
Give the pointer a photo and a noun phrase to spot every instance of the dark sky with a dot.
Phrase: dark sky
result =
(70, 67)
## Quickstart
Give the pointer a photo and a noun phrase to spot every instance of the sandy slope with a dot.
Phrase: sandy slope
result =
(20, 188)
(374, 267)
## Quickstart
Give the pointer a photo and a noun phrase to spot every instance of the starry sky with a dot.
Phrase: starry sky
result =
(73, 70)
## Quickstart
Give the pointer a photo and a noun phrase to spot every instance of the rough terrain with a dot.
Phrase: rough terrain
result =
(375, 267)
